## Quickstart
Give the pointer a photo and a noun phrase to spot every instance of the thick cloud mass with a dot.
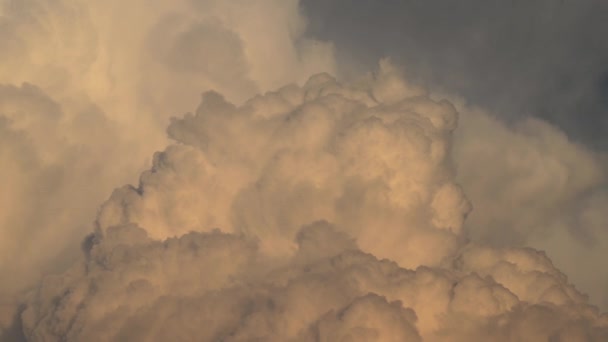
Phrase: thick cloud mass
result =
(326, 211)
(49, 157)
(531, 76)
(531, 185)
(317, 213)
(346, 155)
(86, 88)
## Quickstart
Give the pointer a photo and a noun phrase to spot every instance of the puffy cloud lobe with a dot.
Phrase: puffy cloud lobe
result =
(369, 318)
(335, 154)
(328, 216)
(210, 286)
(537, 280)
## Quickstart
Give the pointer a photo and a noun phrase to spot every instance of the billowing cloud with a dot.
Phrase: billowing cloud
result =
(320, 212)
(254, 173)
(311, 213)
(545, 59)
(531, 185)
(86, 88)
(537, 161)
(48, 162)
(532, 77)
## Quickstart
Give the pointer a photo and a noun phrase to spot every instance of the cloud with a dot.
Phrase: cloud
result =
(48, 162)
(538, 58)
(541, 174)
(86, 88)
(314, 213)
(334, 209)
(555, 186)
(529, 80)
(257, 175)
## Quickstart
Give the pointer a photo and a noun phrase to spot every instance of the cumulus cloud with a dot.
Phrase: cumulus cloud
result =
(313, 213)
(541, 174)
(530, 78)
(48, 161)
(538, 58)
(253, 171)
(320, 212)
(86, 88)
(556, 186)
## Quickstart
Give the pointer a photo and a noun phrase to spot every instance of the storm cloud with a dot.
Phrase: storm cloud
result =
(404, 191)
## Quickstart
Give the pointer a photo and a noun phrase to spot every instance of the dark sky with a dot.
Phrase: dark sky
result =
(547, 58)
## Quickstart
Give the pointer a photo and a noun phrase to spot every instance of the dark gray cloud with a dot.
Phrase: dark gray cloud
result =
(546, 58)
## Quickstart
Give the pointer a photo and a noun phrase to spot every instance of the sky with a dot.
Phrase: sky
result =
(545, 59)
(283, 170)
